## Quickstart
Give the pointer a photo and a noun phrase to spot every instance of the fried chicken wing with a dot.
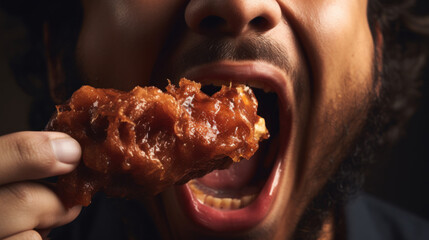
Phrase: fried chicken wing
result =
(140, 142)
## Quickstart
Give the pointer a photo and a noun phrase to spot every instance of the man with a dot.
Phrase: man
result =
(324, 65)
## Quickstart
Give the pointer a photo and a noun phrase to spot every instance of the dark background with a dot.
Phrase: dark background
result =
(402, 178)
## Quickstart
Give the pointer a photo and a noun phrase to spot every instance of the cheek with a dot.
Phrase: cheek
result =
(344, 78)
(336, 38)
(121, 39)
(338, 44)
(345, 53)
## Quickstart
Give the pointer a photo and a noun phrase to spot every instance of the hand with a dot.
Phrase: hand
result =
(28, 209)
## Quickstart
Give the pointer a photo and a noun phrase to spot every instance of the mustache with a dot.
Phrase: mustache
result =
(256, 48)
(250, 49)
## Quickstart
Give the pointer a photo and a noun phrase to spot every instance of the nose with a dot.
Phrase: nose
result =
(232, 17)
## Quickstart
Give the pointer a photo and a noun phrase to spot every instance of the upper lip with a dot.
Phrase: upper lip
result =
(255, 74)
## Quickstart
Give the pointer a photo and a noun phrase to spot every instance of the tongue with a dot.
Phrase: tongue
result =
(236, 176)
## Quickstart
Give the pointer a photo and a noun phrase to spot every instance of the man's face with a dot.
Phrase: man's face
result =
(315, 56)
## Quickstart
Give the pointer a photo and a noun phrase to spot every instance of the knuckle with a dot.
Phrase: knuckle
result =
(22, 193)
(32, 151)
(22, 149)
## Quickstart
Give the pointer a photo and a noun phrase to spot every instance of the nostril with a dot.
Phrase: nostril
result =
(259, 23)
(232, 17)
(211, 23)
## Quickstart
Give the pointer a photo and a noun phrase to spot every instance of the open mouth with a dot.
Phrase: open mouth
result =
(240, 197)
(240, 184)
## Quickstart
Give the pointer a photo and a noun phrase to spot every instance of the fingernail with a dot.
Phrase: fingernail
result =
(67, 150)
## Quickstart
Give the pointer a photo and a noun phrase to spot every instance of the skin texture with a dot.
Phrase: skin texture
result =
(321, 53)
(27, 205)
(328, 47)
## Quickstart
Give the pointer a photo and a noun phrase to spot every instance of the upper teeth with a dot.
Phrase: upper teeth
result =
(255, 84)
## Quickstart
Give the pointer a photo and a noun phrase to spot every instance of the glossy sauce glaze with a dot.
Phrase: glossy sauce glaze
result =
(140, 142)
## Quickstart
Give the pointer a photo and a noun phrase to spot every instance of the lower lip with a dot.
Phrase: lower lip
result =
(231, 220)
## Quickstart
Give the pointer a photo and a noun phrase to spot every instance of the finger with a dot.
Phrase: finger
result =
(30, 235)
(29, 205)
(26, 235)
(34, 155)
(44, 233)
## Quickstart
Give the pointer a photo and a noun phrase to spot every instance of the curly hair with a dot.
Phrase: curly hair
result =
(403, 42)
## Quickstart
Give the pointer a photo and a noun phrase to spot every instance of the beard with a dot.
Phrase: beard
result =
(348, 180)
